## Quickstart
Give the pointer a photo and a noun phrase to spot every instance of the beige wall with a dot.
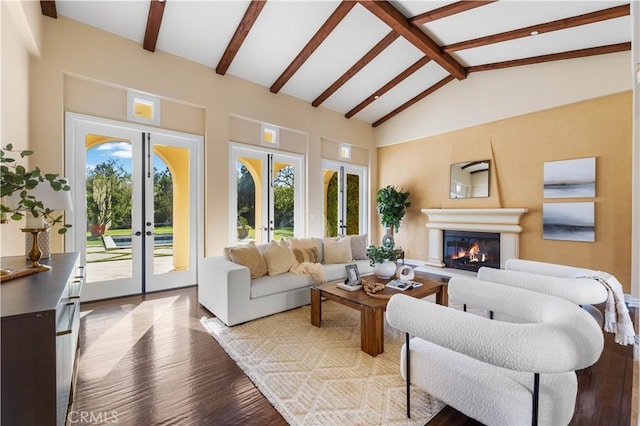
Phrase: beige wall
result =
(20, 37)
(75, 52)
(518, 148)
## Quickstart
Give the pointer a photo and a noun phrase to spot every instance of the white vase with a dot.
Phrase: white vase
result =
(385, 269)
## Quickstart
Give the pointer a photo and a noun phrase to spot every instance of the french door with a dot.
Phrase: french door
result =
(136, 197)
(344, 195)
(266, 196)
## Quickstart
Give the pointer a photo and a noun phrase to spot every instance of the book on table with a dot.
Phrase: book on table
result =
(403, 285)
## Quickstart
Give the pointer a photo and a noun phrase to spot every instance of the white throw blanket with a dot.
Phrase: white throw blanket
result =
(616, 314)
(308, 268)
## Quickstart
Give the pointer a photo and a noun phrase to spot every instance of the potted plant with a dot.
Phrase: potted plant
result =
(243, 224)
(16, 183)
(383, 259)
(392, 205)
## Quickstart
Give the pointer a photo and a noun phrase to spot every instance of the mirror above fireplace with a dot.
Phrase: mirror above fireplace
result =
(469, 179)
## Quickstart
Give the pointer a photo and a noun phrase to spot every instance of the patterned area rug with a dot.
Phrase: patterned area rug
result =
(319, 376)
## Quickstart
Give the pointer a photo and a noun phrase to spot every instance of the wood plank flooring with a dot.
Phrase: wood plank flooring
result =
(146, 360)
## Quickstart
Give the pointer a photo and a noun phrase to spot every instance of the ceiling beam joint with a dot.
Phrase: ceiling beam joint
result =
(398, 22)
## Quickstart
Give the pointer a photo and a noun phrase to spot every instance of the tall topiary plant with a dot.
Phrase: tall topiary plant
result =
(392, 206)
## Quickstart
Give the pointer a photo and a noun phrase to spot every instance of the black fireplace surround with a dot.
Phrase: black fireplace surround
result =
(471, 250)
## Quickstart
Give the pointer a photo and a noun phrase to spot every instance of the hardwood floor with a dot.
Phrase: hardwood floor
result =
(146, 360)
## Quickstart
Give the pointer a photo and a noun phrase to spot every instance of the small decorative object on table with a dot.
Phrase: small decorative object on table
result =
(371, 287)
(353, 281)
(405, 273)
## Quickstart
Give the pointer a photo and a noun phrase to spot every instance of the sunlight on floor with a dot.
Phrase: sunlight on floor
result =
(121, 337)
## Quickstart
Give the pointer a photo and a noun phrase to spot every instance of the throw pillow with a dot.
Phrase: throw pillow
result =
(250, 257)
(337, 251)
(359, 246)
(278, 258)
(301, 255)
(305, 244)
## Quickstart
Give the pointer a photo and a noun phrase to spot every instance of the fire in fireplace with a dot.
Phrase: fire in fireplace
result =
(471, 250)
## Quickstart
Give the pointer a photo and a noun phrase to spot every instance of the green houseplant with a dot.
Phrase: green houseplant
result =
(392, 206)
(380, 254)
(16, 183)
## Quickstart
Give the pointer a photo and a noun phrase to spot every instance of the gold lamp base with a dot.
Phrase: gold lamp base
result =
(35, 254)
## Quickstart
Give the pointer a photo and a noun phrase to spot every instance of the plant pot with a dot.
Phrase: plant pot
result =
(243, 233)
(97, 230)
(385, 269)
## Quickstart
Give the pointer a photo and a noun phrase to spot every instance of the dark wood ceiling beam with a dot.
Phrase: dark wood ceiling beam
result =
(390, 85)
(397, 21)
(154, 20)
(448, 10)
(330, 24)
(249, 18)
(49, 9)
(364, 61)
(560, 24)
(414, 100)
(581, 53)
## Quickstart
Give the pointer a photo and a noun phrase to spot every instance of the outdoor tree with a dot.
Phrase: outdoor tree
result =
(283, 194)
(162, 197)
(108, 197)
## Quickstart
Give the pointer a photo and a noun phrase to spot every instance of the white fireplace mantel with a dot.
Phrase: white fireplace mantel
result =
(506, 222)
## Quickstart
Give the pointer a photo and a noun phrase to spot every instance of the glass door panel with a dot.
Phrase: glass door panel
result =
(344, 199)
(249, 191)
(267, 197)
(352, 202)
(170, 221)
(283, 200)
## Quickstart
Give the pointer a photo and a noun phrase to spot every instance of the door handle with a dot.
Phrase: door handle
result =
(137, 233)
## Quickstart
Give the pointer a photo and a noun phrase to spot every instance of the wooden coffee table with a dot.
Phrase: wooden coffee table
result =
(372, 308)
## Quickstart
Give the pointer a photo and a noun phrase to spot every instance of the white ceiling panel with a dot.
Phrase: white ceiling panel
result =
(358, 32)
(201, 30)
(504, 16)
(187, 26)
(612, 31)
(384, 68)
(125, 18)
(279, 34)
(415, 84)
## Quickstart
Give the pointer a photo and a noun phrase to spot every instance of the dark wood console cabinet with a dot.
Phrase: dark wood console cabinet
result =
(39, 332)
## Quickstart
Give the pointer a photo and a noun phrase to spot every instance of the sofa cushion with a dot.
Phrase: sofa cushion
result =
(359, 247)
(278, 258)
(249, 256)
(337, 251)
(269, 285)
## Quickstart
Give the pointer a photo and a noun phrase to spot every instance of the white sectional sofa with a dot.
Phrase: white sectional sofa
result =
(227, 290)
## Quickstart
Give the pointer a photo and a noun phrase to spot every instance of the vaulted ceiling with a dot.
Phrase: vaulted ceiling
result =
(365, 59)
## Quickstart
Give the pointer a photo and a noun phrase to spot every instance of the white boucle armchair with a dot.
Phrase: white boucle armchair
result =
(499, 373)
(567, 282)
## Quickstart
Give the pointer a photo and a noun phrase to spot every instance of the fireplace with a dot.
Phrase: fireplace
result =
(503, 222)
(471, 250)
